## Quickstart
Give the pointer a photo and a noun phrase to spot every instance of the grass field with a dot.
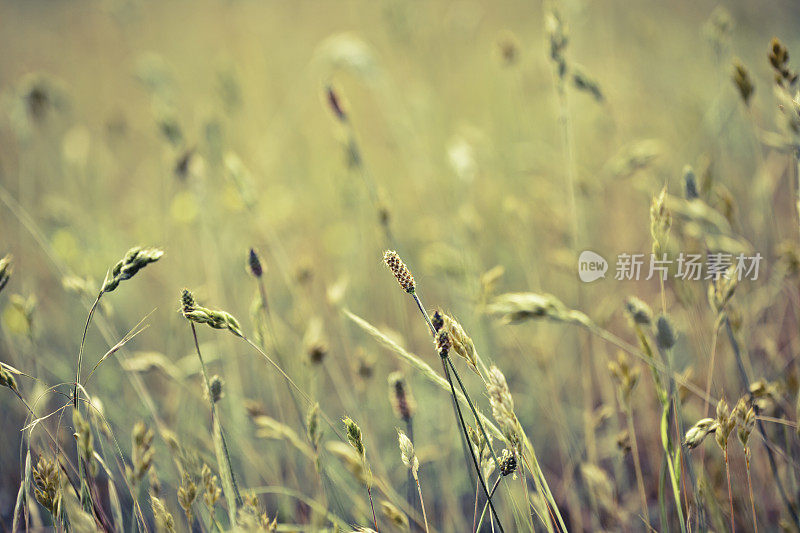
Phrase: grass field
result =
(314, 266)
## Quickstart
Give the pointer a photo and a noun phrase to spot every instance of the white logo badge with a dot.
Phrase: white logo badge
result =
(591, 266)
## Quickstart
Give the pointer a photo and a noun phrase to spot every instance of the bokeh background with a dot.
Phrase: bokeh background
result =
(205, 128)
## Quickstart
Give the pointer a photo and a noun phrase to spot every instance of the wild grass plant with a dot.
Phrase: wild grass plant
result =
(272, 156)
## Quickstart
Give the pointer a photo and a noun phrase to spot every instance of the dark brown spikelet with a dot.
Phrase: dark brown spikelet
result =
(779, 59)
(743, 82)
(254, 264)
(187, 301)
(335, 103)
(402, 400)
(437, 320)
(400, 270)
(443, 343)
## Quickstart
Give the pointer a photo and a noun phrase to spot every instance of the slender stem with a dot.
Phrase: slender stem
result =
(374, 518)
(483, 513)
(422, 503)
(80, 350)
(750, 489)
(636, 463)
(424, 312)
(475, 511)
(471, 451)
(228, 464)
(474, 411)
(730, 493)
(410, 475)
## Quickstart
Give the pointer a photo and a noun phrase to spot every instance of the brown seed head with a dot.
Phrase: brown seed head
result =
(400, 270)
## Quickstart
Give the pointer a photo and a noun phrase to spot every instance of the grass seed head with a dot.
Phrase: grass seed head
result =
(443, 343)
(47, 481)
(508, 463)
(215, 386)
(665, 334)
(407, 454)
(202, 315)
(638, 311)
(400, 270)
(394, 515)
(400, 396)
(165, 523)
(7, 379)
(743, 81)
(354, 436)
(135, 259)
(313, 431)
(725, 424)
(254, 264)
(6, 269)
(697, 433)
(211, 490)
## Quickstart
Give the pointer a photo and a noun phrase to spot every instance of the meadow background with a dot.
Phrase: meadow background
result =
(205, 128)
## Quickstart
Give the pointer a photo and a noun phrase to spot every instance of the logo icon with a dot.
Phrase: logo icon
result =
(591, 266)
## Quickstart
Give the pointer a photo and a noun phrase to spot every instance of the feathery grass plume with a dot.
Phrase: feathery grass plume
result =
(47, 480)
(187, 493)
(697, 433)
(399, 270)
(395, 516)
(135, 259)
(165, 523)
(85, 439)
(142, 452)
(211, 490)
(779, 59)
(503, 408)
(202, 315)
(660, 222)
(403, 403)
(625, 375)
(215, 388)
(7, 379)
(743, 81)
(254, 264)
(6, 269)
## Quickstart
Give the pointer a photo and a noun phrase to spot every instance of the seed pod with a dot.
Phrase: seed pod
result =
(354, 436)
(508, 463)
